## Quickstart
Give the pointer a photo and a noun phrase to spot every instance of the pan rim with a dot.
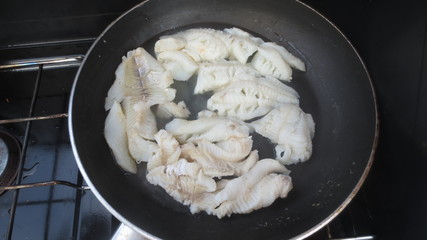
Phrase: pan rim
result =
(303, 235)
(367, 169)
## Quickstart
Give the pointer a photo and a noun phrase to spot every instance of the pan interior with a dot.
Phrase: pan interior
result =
(335, 89)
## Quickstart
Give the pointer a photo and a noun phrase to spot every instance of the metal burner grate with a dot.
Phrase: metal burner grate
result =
(73, 213)
(28, 65)
(34, 97)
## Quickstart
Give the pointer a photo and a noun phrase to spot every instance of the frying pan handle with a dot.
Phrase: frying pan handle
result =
(126, 233)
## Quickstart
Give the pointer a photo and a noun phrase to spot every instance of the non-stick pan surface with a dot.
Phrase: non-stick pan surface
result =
(335, 89)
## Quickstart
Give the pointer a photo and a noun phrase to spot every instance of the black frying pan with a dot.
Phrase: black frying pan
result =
(336, 90)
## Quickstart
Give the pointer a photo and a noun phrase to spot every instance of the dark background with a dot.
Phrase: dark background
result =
(390, 36)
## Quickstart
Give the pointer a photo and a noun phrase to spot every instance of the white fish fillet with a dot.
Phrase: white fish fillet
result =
(194, 55)
(244, 183)
(183, 180)
(140, 77)
(115, 134)
(244, 166)
(139, 118)
(291, 129)
(150, 69)
(243, 45)
(206, 114)
(141, 149)
(222, 158)
(287, 56)
(239, 32)
(169, 150)
(207, 43)
(171, 109)
(213, 76)
(234, 149)
(212, 129)
(257, 188)
(212, 166)
(165, 44)
(178, 63)
(116, 93)
(269, 62)
(246, 100)
(262, 194)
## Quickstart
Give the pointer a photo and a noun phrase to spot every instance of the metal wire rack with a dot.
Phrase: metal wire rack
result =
(29, 65)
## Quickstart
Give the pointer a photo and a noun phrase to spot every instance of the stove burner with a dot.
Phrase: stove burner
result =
(10, 151)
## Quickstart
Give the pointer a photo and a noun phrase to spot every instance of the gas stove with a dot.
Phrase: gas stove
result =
(37, 71)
